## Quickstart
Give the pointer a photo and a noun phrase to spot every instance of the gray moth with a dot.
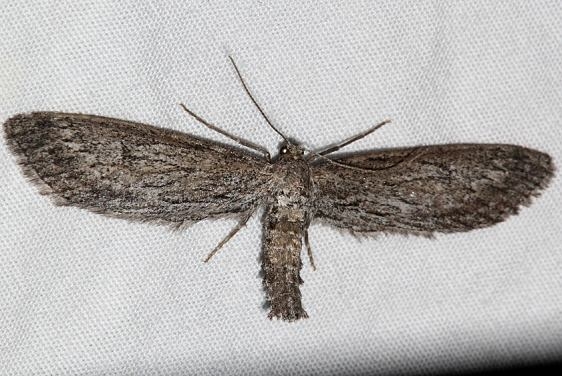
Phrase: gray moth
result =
(145, 173)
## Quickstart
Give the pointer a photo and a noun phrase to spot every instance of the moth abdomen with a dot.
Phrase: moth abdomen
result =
(281, 262)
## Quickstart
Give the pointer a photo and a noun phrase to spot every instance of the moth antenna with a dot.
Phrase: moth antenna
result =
(331, 149)
(240, 140)
(255, 102)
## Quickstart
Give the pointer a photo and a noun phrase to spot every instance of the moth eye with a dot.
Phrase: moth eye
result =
(283, 150)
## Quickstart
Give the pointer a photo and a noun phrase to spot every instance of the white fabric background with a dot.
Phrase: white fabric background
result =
(85, 294)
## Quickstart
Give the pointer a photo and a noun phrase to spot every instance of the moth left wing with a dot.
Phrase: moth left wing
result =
(133, 170)
(421, 190)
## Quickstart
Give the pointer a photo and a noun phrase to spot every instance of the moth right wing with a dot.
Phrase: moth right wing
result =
(427, 189)
(133, 170)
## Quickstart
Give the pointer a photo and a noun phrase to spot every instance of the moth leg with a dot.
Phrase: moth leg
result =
(309, 250)
(241, 141)
(331, 149)
(233, 232)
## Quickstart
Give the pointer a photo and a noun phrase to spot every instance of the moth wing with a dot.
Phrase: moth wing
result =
(441, 188)
(133, 170)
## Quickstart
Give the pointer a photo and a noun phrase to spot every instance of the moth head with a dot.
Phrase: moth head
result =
(291, 151)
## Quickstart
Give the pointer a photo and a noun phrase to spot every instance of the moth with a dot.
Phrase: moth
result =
(144, 173)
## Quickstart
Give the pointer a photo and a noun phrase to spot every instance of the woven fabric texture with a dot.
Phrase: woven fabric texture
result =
(85, 294)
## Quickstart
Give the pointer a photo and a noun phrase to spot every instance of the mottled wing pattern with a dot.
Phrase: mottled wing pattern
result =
(441, 188)
(133, 170)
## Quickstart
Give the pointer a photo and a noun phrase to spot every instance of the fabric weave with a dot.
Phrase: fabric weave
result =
(85, 294)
